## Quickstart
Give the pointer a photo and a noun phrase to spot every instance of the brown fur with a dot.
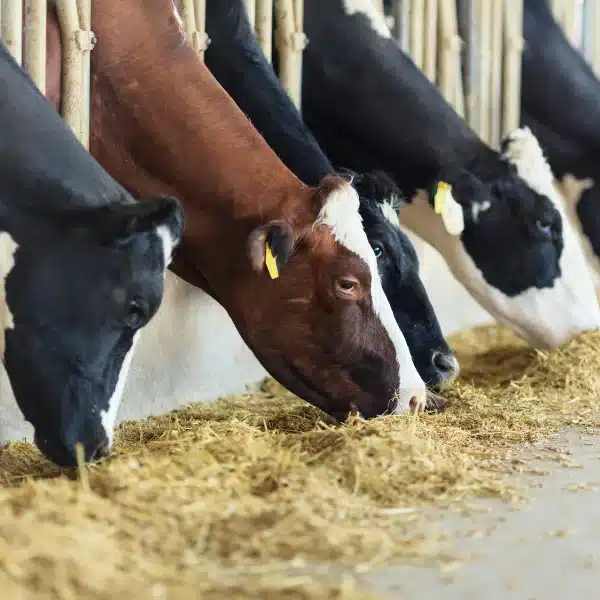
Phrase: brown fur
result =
(161, 124)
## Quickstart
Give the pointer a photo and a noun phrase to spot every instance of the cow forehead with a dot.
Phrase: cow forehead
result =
(523, 151)
(340, 213)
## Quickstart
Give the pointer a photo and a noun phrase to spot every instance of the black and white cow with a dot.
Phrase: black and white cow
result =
(82, 267)
(560, 102)
(236, 60)
(506, 241)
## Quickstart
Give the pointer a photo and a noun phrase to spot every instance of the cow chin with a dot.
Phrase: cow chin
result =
(349, 398)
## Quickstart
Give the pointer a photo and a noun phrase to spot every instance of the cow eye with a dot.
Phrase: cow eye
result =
(136, 314)
(544, 226)
(348, 287)
(378, 251)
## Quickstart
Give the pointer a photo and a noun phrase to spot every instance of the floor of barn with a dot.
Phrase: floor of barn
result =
(547, 548)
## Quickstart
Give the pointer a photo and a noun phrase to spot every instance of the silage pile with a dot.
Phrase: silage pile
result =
(241, 498)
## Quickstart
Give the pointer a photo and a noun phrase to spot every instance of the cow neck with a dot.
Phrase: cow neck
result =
(555, 76)
(181, 132)
(405, 125)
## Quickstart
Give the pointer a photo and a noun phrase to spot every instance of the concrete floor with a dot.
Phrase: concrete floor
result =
(546, 549)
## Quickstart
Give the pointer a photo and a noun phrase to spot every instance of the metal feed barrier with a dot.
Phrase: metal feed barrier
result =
(23, 30)
(471, 49)
(289, 35)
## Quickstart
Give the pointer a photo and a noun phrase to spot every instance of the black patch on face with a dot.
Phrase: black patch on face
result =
(517, 242)
(398, 267)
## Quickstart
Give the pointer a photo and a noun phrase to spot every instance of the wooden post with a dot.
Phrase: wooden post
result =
(12, 27)
(264, 26)
(34, 33)
(291, 42)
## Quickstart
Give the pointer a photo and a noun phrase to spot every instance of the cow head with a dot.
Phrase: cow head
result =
(323, 326)
(79, 287)
(398, 267)
(517, 254)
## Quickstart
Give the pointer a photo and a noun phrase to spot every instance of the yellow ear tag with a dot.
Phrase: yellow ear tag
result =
(451, 211)
(441, 196)
(271, 262)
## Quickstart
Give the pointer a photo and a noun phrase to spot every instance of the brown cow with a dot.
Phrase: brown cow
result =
(161, 124)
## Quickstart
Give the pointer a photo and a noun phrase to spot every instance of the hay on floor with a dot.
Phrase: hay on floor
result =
(223, 500)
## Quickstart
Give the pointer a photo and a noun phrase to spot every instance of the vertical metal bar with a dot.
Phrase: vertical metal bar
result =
(430, 37)
(264, 26)
(513, 42)
(495, 79)
(72, 66)
(85, 21)
(34, 50)
(417, 10)
(251, 10)
(12, 27)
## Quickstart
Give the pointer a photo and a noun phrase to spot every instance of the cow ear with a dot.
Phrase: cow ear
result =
(127, 220)
(270, 245)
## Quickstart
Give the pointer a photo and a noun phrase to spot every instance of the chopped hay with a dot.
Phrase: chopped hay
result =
(242, 498)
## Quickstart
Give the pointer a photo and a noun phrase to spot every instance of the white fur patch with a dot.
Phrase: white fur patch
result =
(368, 8)
(390, 213)
(524, 152)
(108, 416)
(340, 214)
(8, 247)
(479, 207)
(168, 242)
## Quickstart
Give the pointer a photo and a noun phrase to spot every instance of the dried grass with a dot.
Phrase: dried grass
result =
(235, 499)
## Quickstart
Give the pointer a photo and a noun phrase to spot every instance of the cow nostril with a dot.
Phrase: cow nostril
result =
(446, 364)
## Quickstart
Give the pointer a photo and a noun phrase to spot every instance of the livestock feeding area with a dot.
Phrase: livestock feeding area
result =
(261, 495)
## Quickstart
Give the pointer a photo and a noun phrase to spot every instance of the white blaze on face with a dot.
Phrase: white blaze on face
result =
(8, 247)
(108, 416)
(369, 10)
(543, 317)
(340, 213)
